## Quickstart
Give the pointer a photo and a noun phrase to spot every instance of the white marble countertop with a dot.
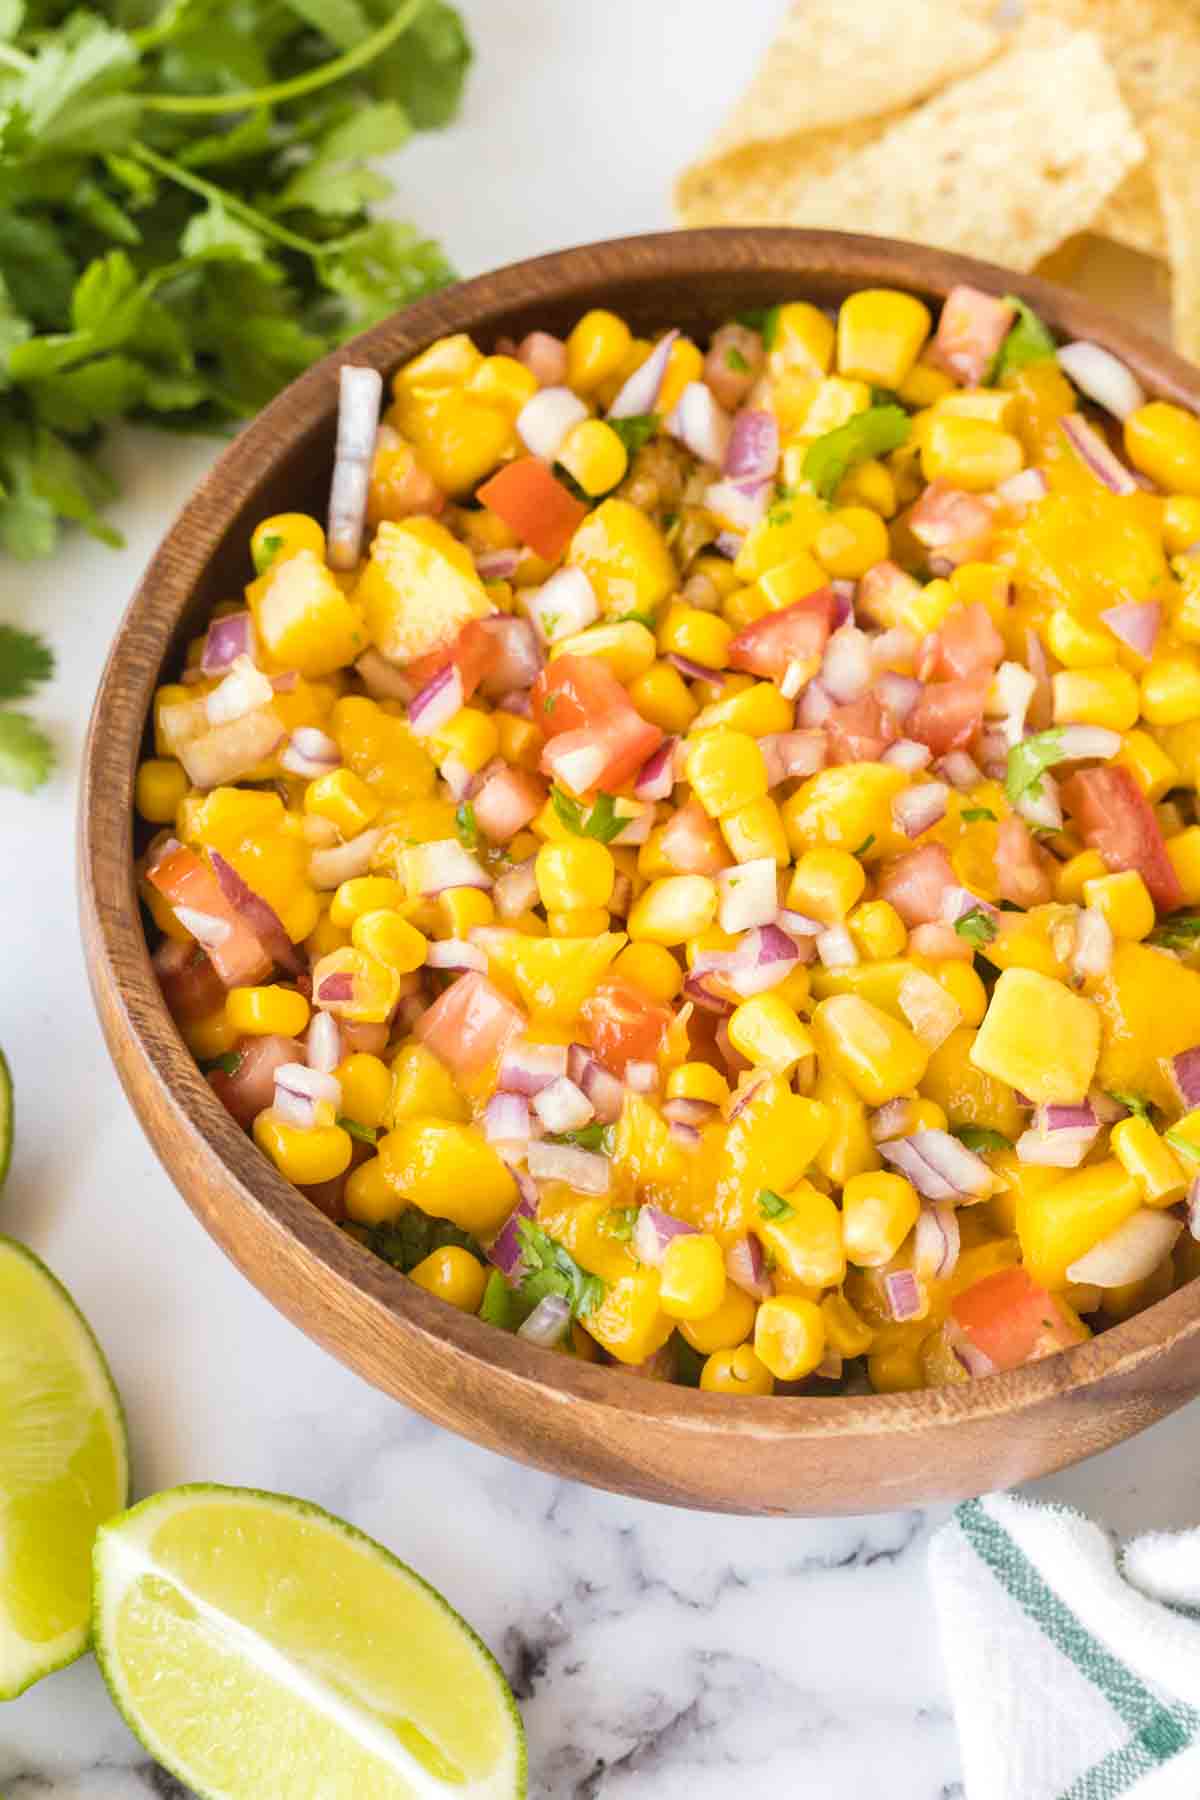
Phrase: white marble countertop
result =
(655, 1652)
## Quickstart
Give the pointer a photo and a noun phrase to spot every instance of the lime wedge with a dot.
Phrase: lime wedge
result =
(258, 1647)
(64, 1467)
(6, 1118)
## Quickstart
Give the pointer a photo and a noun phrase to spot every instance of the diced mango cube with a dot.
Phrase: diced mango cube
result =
(1039, 1037)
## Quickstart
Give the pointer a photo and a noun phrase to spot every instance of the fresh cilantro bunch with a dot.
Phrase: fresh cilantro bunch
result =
(184, 189)
(26, 754)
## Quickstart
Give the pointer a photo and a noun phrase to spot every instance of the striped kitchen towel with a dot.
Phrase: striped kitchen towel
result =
(1073, 1661)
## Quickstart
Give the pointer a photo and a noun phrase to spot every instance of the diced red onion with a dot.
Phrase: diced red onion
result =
(686, 1136)
(1136, 624)
(314, 1084)
(1094, 945)
(456, 775)
(960, 770)
(695, 671)
(548, 1322)
(938, 1241)
(455, 953)
(728, 544)
(697, 989)
(578, 770)
(753, 450)
(798, 922)
(700, 424)
(335, 989)
(656, 777)
(359, 393)
(932, 1013)
(382, 679)
(601, 1086)
(298, 1110)
(738, 509)
(506, 1121)
(939, 1166)
(957, 902)
(516, 890)
(1066, 1118)
(918, 809)
(908, 755)
(1184, 1071)
(580, 1169)
(206, 928)
(749, 895)
(437, 703)
(310, 753)
(847, 669)
(1107, 1109)
(228, 639)
(1064, 1148)
(561, 1106)
(1023, 489)
(896, 645)
(1043, 808)
(836, 948)
(814, 706)
(639, 395)
(262, 919)
(903, 1292)
(1102, 377)
(642, 1077)
(547, 420)
(746, 1267)
(329, 868)
(844, 593)
(1082, 742)
(1130, 1253)
(973, 1360)
(323, 1043)
(763, 958)
(793, 754)
(1013, 690)
(653, 1231)
(1095, 455)
(899, 693)
(496, 565)
(639, 827)
(505, 1252)
(690, 1112)
(1193, 1208)
(891, 1121)
(516, 655)
(527, 1068)
(445, 864)
(244, 690)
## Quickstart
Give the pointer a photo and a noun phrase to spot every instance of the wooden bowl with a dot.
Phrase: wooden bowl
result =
(597, 1424)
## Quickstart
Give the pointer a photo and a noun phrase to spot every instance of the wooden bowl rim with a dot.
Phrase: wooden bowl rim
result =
(108, 889)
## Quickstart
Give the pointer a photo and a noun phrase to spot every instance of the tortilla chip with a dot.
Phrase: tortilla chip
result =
(1003, 165)
(833, 65)
(1177, 174)
(1133, 215)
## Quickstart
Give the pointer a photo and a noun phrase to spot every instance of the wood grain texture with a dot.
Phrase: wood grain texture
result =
(601, 1425)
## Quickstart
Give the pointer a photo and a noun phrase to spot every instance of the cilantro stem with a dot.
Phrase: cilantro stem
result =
(278, 91)
(15, 59)
(208, 190)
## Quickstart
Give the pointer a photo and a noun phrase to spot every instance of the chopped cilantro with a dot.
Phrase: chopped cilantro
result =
(870, 433)
(736, 361)
(618, 1222)
(638, 618)
(972, 814)
(1028, 762)
(865, 845)
(589, 1137)
(265, 552)
(772, 1205)
(602, 822)
(549, 622)
(635, 431)
(977, 927)
(496, 1307)
(1028, 341)
(1186, 1146)
(549, 703)
(1139, 1107)
(764, 320)
(881, 396)
(465, 825)
(1180, 932)
(549, 1269)
(565, 478)
(414, 1235)
(366, 1134)
(981, 1137)
(229, 1064)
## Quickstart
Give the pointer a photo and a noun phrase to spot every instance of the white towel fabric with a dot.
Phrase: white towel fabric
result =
(1074, 1663)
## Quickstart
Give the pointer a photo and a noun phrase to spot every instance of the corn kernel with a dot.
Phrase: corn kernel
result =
(877, 929)
(1184, 852)
(325, 937)
(744, 605)
(578, 922)
(366, 1089)
(880, 332)
(266, 1011)
(673, 909)
(870, 484)
(833, 404)
(663, 697)
(691, 1276)
(1124, 901)
(305, 1157)
(758, 710)
(879, 1210)
(727, 1326)
(368, 1196)
(576, 872)
(210, 1037)
(854, 540)
(652, 967)
(596, 348)
(878, 1056)
(756, 831)
(1076, 643)
(1072, 876)
(685, 364)
(1180, 523)
(460, 910)
(768, 1033)
(1141, 1152)
(504, 382)
(1163, 442)
(283, 535)
(625, 646)
(595, 456)
(697, 1081)
(160, 787)
(806, 1241)
(364, 893)
(700, 636)
(1171, 688)
(454, 1275)
(343, 798)
(726, 770)
(448, 362)
(846, 1331)
(802, 338)
(962, 982)
(786, 582)
(789, 1336)
(1106, 697)
(388, 937)
(925, 385)
(736, 1371)
(969, 453)
(826, 884)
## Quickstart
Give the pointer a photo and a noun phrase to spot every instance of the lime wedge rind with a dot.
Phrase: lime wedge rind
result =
(124, 1556)
(23, 1662)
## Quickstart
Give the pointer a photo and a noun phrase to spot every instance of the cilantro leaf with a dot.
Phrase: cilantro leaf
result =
(1028, 341)
(736, 361)
(26, 753)
(763, 319)
(24, 661)
(409, 1239)
(1186, 1146)
(618, 1222)
(870, 433)
(977, 927)
(1137, 1106)
(773, 1206)
(602, 822)
(861, 849)
(971, 814)
(981, 1137)
(496, 1307)
(635, 431)
(465, 825)
(1028, 762)
(366, 1134)
(549, 1269)
(589, 1137)
(1181, 931)
(229, 1064)
(265, 550)
(638, 618)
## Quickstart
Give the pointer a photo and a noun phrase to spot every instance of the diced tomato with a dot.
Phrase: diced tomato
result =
(971, 329)
(1013, 1320)
(954, 525)
(329, 1197)
(507, 801)
(190, 985)
(251, 1087)
(967, 643)
(472, 651)
(534, 505)
(949, 713)
(859, 731)
(692, 843)
(184, 879)
(914, 884)
(469, 1025)
(626, 1025)
(1024, 871)
(794, 634)
(582, 707)
(1114, 817)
